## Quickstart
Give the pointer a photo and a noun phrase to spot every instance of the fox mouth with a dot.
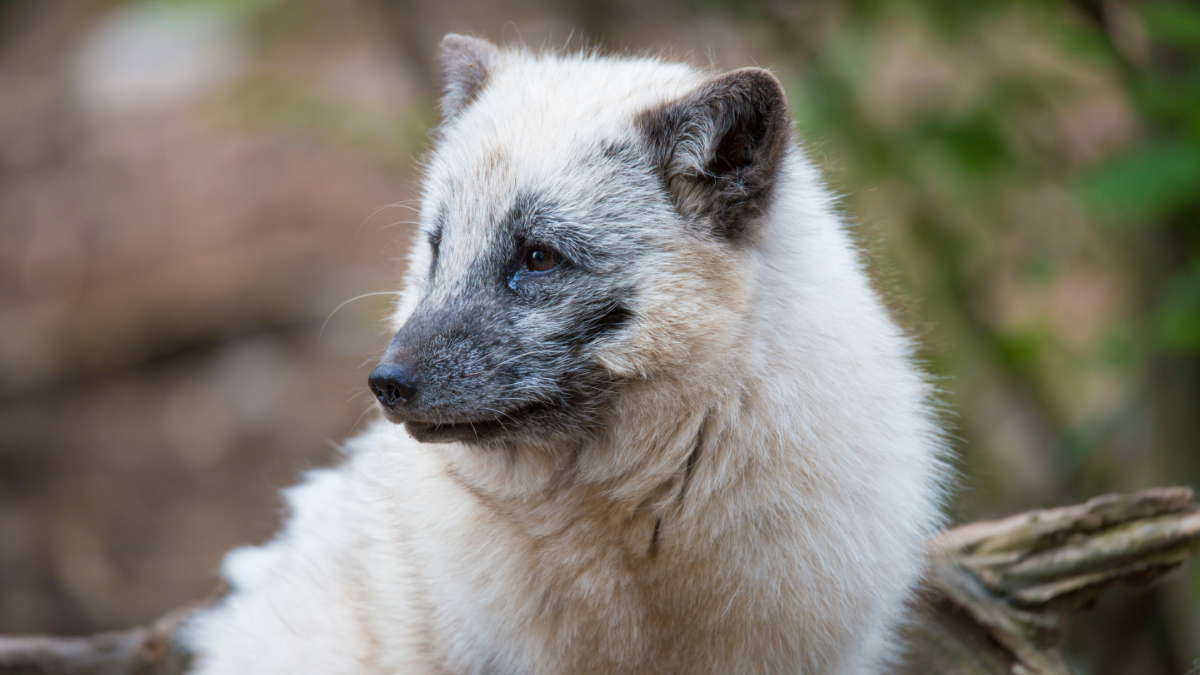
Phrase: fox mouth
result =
(445, 432)
(468, 430)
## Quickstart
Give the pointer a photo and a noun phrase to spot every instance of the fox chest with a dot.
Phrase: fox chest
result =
(592, 608)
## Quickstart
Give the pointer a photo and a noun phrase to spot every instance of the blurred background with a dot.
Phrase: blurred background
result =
(190, 188)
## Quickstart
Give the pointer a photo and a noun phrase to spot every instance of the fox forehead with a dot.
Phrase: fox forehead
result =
(543, 125)
(540, 103)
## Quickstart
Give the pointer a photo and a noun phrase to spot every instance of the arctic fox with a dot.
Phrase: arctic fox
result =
(643, 412)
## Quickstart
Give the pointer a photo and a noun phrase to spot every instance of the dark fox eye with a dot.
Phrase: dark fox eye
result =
(541, 260)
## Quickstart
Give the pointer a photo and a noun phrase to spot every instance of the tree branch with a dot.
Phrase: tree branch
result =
(152, 650)
(1000, 590)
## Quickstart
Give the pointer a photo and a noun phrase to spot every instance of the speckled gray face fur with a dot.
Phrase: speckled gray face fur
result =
(498, 348)
(525, 287)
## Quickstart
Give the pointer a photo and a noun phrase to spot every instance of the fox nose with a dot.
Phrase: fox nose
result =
(392, 385)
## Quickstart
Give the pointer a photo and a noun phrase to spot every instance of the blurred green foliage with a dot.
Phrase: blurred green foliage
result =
(234, 8)
(1156, 182)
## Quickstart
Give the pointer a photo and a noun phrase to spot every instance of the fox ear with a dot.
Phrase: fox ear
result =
(719, 148)
(466, 62)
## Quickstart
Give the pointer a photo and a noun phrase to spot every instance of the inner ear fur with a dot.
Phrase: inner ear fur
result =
(719, 148)
(466, 63)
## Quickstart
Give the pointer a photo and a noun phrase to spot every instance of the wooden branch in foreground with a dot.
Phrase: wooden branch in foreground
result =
(998, 592)
(152, 650)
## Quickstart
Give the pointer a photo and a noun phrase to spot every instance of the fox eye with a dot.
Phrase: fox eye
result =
(541, 260)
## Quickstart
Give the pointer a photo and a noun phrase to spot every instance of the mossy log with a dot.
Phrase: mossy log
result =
(998, 592)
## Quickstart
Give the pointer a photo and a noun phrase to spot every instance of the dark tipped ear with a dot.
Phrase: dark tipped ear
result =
(719, 148)
(466, 62)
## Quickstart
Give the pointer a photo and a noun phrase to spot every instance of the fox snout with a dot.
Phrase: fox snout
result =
(400, 382)
(449, 375)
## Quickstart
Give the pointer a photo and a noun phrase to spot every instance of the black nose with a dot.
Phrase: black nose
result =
(392, 385)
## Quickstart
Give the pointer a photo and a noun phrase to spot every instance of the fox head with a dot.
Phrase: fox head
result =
(586, 223)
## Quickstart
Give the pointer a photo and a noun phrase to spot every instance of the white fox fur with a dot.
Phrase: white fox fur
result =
(754, 500)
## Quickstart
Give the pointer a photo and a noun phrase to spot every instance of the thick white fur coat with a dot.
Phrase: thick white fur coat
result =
(755, 503)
